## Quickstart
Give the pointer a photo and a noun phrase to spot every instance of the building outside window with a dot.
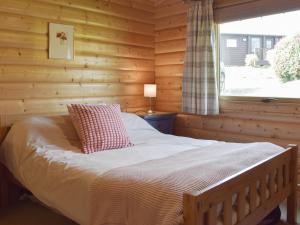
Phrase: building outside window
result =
(260, 57)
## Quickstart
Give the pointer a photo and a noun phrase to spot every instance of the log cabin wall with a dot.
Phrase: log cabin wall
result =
(114, 55)
(241, 120)
(170, 44)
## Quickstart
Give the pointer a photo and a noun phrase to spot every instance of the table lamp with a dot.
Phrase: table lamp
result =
(150, 92)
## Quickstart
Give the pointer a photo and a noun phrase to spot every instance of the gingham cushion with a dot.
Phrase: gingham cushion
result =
(100, 127)
(74, 118)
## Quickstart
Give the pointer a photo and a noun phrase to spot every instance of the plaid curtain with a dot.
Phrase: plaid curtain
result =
(200, 88)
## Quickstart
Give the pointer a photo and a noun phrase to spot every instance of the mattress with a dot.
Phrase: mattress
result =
(44, 154)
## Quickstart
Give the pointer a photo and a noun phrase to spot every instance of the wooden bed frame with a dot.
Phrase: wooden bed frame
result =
(272, 181)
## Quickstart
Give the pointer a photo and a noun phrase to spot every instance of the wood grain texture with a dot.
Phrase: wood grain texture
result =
(114, 56)
(170, 45)
(68, 14)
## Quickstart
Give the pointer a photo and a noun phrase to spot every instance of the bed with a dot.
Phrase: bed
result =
(162, 180)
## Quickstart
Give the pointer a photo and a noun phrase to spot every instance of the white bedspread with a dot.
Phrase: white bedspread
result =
(44, 155)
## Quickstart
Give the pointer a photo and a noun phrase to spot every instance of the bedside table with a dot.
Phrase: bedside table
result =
(162, 121)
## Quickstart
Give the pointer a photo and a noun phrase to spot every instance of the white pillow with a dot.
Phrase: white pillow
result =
(134, 122)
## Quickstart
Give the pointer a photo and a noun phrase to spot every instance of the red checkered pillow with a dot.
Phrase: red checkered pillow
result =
(100, 127)
(74, 118)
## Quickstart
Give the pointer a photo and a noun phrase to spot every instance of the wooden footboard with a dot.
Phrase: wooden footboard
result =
(247, 197)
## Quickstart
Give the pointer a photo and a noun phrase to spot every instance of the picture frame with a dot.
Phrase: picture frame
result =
(61, 41)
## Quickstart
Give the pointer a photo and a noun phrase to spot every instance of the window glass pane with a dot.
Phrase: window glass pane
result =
(231, 43)
(269, 44)
(260, 57)
(255, 44)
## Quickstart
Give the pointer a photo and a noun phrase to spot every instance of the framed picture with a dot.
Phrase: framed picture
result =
(61, 41)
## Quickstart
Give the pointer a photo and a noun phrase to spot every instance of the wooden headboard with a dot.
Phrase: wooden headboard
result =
(3, 133)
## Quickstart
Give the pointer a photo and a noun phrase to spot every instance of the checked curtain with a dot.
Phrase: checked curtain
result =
(200, 88)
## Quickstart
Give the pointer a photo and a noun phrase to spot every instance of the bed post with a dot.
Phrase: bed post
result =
(191, 213)
(10, 188)
(292, 198)
(3, 188)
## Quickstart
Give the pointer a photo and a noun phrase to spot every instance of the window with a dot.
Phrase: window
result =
(265, 61)
(269, 44)
(231, 43)
(256, 46)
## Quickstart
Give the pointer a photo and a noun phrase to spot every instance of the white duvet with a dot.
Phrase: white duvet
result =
(44, 155)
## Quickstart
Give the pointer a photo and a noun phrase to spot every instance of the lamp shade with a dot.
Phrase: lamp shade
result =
(150, 90)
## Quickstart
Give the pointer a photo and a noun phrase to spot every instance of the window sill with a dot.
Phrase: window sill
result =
(260, 99)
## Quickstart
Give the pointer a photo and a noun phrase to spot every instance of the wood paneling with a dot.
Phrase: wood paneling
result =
(68, 14)
(170, 44)
(114, 55)
(245, 120)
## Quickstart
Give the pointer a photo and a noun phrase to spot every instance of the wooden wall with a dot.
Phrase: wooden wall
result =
(244, 120)
(170, 43)
(114, 55)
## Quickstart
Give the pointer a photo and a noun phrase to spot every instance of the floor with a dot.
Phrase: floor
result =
(30, 213)
(283, 213)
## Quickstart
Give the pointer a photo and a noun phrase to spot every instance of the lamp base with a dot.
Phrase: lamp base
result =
(150, 111)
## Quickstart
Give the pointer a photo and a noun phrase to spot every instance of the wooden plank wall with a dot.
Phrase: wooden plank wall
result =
(240, 120)
(114, 55)
(170, 44)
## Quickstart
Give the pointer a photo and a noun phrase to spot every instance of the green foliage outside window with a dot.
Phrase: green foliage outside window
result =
(286, 61)
(251, 60)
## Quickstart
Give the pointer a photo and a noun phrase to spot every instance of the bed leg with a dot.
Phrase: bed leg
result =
(3, 188)
(190, 210)
(292, 199)
(291, 209)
